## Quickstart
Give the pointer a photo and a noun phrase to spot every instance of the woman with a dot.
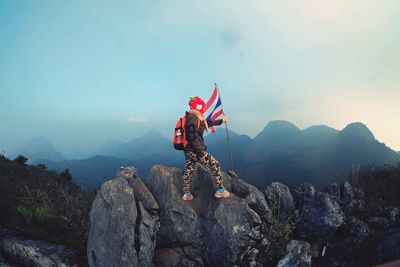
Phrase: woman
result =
(195, 151)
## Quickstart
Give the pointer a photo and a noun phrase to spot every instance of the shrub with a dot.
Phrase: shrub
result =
(44, 205)
(21, 159)
(34, 215)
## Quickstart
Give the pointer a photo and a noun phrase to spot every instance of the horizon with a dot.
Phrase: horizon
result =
(118, 70)
(89, 154)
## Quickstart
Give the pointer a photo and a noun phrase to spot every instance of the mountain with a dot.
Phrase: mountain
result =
(90, 173)
(354, 145)
(151, 143)
(280, 152)
(277, 135)
(36, 149)
(317, 154)
(317, 135)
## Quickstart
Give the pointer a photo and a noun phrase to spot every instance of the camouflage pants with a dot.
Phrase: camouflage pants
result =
(210, 163)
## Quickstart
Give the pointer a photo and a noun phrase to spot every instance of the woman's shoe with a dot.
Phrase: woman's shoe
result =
(222, 193)
(187, 196)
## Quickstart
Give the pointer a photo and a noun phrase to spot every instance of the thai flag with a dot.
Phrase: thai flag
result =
(213, 109)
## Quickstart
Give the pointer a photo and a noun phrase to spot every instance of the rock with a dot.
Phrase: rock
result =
(342, 193)
(358, 231)
(394, 216)
(355, 207)
(221, 229)
(123, 224)
(333, 190)
(347, 194)
(389, 247)
(142, 193)
(178, 257)
(254, 197)
(379, 222)
(302, 193)
(180, 224)
(3, 262)
(320, 217)
(279, 196)
(297, 255)
(34, 253)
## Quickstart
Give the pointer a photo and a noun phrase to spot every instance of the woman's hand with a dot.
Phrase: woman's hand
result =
(224, 119)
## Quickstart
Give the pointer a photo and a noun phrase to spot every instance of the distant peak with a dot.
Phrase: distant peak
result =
(152, 132)
(277, 129)
(359, 129)
(282, 125)
(319, 129)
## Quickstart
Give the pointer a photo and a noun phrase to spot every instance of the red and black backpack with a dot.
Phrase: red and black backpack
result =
(179, 138)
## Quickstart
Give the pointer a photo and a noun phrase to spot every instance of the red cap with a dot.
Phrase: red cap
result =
(197, 103)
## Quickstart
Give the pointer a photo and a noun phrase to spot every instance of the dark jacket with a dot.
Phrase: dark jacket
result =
(194, 134)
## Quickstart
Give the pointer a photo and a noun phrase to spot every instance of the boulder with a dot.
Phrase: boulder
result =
(221, 229)
(301, 193)
(347, 194)
(180, 224)
(333, 190)
(178, 257)
(341, 193)
(379, 223)
(394, 216)
(123, 224)
(297, 255)
(254, 197)
(389, 246)
(358, 231)
(320, 217)
(354, 207)
(3, 262)
(33, 252)
(279, 197)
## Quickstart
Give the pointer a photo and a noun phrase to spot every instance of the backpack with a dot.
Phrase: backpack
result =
(179, 138)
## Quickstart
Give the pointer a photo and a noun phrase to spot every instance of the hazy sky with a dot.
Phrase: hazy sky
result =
(82, 72)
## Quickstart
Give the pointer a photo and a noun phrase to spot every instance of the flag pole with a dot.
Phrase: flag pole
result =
(227, 132)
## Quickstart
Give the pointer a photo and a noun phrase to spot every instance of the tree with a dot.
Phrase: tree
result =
(42, 166)
(65, 175)
(21, 159)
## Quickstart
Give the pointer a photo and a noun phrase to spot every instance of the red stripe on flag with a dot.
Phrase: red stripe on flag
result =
(217, 114)
(212, 98)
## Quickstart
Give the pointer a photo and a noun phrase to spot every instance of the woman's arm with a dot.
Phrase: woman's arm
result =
(217, 122)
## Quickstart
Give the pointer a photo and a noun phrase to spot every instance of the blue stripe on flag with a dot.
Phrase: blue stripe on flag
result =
(217, 105)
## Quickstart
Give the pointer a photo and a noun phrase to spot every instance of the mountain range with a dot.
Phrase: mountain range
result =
(280, 152)
(37, 148)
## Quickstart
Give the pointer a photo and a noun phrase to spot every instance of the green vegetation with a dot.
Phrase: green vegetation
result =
(44, 205)
(279, 233)
(34, 215)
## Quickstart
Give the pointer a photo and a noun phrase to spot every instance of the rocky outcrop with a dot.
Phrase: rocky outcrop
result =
(123, 223)
(320, 216)
(389, 247)
(133, 224)
(221, 229)
(34, 253)
(178, 257)
(297, 255)
(3, 262)
(358, 231)
(279, 196)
